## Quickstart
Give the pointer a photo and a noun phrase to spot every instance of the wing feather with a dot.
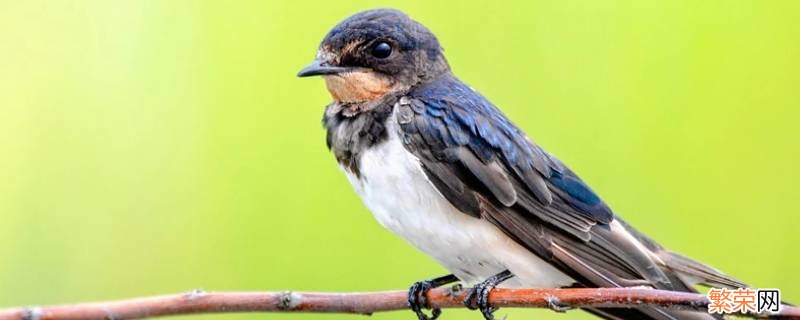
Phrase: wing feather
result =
(486, 167)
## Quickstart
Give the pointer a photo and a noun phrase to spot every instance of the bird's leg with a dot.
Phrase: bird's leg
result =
(478, 296)
(417, 299)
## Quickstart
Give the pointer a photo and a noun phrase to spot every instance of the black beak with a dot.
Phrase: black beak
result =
(320, 68)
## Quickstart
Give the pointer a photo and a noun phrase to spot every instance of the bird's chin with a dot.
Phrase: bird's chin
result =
(358, 86)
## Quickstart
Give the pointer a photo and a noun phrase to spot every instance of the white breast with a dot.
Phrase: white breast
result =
(395, 188)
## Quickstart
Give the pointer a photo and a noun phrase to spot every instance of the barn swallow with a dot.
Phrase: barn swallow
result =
(442, 167)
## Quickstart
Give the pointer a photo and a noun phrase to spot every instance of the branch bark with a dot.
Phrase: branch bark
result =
(197, 302)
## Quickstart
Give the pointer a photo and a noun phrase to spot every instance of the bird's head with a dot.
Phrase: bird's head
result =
(374, 53)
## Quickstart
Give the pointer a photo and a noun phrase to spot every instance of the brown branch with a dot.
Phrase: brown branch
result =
(197, 302)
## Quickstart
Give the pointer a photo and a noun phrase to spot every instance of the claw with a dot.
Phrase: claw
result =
(483, 303)
(478, 296)
(417, 300)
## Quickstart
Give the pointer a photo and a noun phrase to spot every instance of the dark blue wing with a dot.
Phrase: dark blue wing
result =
(465, 141)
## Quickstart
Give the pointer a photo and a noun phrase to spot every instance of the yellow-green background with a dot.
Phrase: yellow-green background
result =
(158, 146)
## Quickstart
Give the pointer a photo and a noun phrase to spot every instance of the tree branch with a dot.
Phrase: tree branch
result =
(197, 302)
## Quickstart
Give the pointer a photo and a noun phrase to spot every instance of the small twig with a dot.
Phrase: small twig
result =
(197, 302)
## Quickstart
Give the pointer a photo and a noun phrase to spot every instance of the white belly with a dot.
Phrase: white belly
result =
(394, 187)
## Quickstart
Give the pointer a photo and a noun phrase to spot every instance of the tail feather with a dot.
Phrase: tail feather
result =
(682, 273)
(656, 313)
(699, 273)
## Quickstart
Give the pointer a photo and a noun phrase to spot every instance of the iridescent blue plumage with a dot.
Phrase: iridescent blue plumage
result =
(453, 115)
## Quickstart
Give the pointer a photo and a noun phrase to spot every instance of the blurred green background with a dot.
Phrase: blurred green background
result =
(153, 147)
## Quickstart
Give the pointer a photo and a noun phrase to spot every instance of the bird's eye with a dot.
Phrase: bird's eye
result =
(381, 50)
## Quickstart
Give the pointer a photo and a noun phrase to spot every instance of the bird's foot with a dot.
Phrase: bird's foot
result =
(418, 300)
(478, 296)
